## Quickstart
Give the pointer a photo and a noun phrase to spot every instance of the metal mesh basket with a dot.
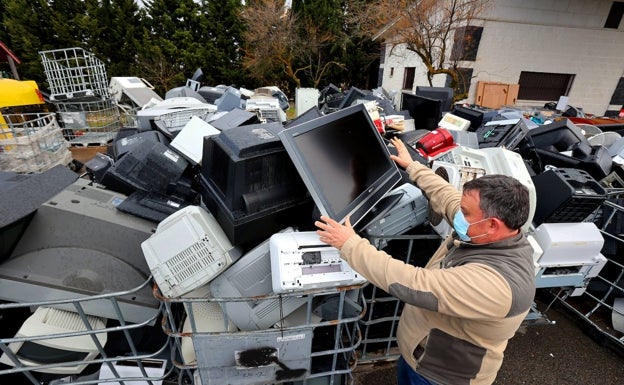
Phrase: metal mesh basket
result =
(89, 123)
(308, 344)
(174, 121)
(32, 143)
(95, 350)
(74, 73)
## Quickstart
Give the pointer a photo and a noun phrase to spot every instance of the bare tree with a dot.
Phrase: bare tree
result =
(425, 27)
(280, 41)
(272, 43)
(160, 71)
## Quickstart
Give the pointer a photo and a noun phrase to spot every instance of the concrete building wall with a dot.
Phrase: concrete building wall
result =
(557, 36)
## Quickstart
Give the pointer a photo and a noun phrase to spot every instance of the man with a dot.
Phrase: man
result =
(475, 291)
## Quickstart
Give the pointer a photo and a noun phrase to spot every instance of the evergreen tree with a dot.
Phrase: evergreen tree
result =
(115, 35)
(185, 35)
(4, 35)
(70, 23)
(226, 34)
(322, 29)
(28, 33)
(338, 54)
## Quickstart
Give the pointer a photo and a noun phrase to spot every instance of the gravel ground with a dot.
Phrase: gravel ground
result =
(562, 353)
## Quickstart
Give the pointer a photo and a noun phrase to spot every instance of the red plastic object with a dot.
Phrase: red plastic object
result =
(437, 141)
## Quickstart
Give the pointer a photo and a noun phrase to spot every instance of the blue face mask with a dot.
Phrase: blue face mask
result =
(461, 226)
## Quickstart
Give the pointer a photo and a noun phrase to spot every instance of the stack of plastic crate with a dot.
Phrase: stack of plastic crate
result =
(32, 143)
(79, 91)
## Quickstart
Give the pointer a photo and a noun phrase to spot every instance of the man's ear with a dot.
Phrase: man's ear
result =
(496, 224)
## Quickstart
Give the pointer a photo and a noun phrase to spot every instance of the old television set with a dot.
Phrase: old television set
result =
(251, 277)
(78, 244)
(58, 349)
(343, 161)
(425, 111)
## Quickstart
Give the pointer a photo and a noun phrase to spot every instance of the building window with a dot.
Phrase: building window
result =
(544, 85)
(615, 15)
(463, 84)
(391, 71)
(408, 78)
(382, 54)
(466, 43)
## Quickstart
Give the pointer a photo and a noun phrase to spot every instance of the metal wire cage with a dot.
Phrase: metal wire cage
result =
(89, 123)
(170, 123)
(301, 348)
(601, 304)
(61, 342)
(74, 73)
(32, 142)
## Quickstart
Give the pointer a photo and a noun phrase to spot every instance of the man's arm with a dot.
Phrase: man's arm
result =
(443, 198)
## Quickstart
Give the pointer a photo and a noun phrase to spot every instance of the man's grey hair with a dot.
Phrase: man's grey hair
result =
(503, 197)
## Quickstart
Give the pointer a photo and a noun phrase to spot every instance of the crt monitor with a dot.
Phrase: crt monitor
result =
(343, 161)
(60, 348)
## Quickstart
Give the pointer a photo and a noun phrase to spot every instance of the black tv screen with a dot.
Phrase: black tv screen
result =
(443, 94)
(343, 161)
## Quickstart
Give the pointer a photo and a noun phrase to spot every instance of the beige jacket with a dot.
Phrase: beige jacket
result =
(463, 306)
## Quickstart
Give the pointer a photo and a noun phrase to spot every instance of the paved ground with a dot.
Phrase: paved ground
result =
(559, 354)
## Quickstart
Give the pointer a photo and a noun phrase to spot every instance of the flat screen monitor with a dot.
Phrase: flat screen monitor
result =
(443, 94)
(425, 111)
(343, 161)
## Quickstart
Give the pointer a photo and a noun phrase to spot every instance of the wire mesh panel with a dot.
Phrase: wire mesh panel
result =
(170, 123)
(89, 123)
(42, 344)
(601, 305)
(317, 342)
(598, 302)
(32, 143)
(379, 324)
(74, 73)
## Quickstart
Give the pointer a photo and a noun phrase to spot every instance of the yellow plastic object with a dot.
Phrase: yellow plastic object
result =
(17, 93)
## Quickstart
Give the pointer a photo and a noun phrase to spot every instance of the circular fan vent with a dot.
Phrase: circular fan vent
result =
(435, 218)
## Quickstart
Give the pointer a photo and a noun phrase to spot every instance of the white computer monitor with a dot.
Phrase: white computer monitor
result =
(78, 349)
(251, 277)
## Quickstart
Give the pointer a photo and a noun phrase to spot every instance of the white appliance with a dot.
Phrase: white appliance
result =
(300, 261)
